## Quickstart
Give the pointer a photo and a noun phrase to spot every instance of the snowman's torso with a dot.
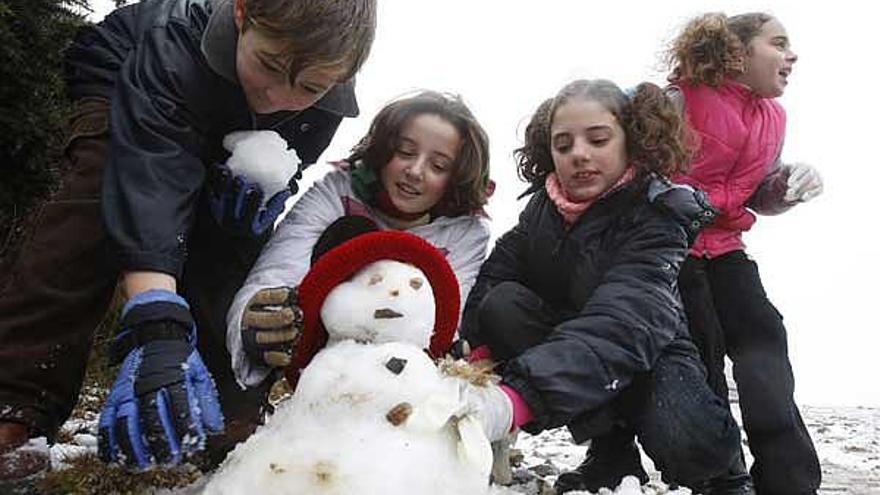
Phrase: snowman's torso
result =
(337, 435)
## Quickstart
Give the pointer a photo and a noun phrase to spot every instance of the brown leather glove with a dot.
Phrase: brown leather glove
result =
(271, 326)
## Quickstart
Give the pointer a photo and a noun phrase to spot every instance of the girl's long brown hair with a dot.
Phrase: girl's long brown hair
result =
(467, 191)
(713, 47)
(657, 139)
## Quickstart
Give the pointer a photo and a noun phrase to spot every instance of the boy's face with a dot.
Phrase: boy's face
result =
(264, 77)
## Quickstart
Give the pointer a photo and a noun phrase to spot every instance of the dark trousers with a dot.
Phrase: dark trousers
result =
(56, 289)
(687, 431)
(729, 313)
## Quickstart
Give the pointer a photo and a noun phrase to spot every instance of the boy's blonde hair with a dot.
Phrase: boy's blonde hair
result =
(316, 32)
(713, 47)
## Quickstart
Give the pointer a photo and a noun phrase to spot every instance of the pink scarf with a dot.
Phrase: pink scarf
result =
(572, 210)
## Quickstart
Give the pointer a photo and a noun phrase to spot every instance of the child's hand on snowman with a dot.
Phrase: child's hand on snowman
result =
(804, 183)
(490, 405)
(271, 326)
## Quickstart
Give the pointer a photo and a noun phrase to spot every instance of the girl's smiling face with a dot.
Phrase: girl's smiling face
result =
(588, 146)
(422, 164)
(769, 61)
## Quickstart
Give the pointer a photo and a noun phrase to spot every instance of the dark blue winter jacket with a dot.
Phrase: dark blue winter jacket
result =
(614, 274)
(168, 69)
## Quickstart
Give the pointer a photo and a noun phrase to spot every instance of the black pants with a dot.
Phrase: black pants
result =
(55, 291)
(687, 431)
(729, 313)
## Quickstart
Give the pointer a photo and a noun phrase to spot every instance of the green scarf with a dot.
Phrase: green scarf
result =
(365, 183)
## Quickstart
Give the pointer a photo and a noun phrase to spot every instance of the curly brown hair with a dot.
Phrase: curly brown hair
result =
(657, 138)
(713, 47)
(467, 190)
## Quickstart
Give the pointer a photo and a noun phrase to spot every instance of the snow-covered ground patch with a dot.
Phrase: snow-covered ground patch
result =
(552, 452)
(846, 438)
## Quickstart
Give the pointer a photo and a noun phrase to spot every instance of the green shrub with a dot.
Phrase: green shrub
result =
(33, 106)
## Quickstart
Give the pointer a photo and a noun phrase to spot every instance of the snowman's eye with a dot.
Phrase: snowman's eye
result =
(416, 283)
(375, 279)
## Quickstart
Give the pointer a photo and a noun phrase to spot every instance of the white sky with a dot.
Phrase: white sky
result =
(818, 262)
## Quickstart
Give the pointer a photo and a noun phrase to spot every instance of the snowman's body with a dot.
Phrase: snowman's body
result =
(367, 417)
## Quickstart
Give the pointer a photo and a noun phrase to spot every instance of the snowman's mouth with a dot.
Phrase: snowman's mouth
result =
(386, 313)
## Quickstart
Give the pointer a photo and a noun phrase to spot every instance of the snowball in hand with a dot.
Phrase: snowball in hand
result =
(263, 158)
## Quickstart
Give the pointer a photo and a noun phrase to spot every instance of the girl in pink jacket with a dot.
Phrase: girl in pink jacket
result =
(728, 72)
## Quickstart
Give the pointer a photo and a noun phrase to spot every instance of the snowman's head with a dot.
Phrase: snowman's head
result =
(386, 301)
(378, 286)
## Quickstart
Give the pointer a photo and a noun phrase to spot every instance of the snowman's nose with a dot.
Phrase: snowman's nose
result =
(386, 313)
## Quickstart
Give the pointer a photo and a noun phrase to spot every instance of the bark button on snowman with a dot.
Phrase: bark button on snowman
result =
(371, 412)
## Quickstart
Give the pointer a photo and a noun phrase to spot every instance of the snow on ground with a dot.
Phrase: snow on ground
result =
(848, 442)
(847, 439)
(552, 452)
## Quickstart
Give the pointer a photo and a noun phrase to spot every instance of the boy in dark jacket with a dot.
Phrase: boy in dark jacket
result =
(579, 301)
(156, 87)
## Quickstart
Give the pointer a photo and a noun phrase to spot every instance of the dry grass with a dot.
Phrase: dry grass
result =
(87, 475)
(478, 372)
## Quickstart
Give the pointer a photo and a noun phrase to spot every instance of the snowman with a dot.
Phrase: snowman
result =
(371, 413)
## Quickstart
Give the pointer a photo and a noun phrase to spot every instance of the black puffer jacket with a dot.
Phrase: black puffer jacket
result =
(615, 272)
(168, 68)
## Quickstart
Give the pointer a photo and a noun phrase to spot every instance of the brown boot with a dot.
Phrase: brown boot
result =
(21, 461)
(12, 436)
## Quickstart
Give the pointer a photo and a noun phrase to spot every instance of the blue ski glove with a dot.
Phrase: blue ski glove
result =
(163, 403)
(236, 203)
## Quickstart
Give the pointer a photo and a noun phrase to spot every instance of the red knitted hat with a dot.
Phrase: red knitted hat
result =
(343, 261)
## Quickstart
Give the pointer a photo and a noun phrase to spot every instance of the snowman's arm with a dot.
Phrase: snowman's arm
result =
(284, 262)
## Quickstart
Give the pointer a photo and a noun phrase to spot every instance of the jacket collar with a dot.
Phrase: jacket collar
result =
(740, 90)
(219, 46)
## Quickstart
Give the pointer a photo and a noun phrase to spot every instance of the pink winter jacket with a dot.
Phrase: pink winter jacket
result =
(740, 136)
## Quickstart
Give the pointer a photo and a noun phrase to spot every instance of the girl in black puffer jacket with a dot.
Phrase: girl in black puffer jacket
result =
(579, 301)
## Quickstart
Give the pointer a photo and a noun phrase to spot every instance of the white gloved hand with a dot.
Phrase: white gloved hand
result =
(804, 183)
(489, 405)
